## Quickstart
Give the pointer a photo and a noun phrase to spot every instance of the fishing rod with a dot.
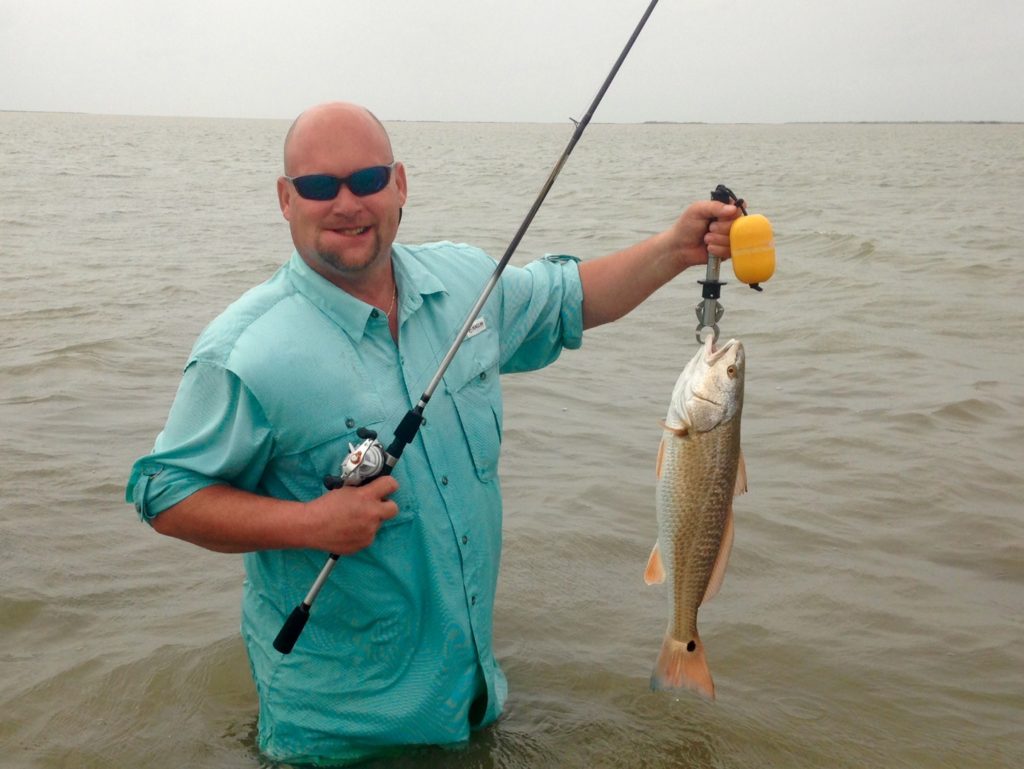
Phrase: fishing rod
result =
(369, 459)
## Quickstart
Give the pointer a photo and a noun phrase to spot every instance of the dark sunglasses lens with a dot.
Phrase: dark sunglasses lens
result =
(369, 180)
(318, 186)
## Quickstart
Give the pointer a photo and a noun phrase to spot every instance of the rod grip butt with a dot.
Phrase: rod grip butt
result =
(292, 629)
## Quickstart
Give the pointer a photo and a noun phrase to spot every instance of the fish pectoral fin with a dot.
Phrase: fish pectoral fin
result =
(718, 573)
(661, 458)
(680, 432)
(741, 476)
(654, 574)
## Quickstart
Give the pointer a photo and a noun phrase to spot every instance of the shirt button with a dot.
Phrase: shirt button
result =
(465, 540)
(472, 601)
(483, 375)
(444, 480)
(350, 423)
(374, 313)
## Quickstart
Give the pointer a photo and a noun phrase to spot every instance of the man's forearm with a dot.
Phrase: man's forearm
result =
(229, 520)
(614, 285)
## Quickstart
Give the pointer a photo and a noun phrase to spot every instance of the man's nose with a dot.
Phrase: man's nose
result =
(346, 200)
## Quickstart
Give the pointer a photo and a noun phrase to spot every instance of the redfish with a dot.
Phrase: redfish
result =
(700, 469)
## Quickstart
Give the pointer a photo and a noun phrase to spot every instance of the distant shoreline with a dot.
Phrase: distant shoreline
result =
(552, 122)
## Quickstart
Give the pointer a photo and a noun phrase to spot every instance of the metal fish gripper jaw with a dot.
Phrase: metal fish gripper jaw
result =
(709, 310)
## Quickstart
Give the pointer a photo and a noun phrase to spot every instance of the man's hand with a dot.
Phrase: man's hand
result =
(346, 520)
(701, 229)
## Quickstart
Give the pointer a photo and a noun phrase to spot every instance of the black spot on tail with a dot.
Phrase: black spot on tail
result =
(691, 646)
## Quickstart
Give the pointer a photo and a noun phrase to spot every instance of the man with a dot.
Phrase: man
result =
(345, 335)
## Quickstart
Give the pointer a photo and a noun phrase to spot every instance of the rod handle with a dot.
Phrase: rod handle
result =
(292, 629)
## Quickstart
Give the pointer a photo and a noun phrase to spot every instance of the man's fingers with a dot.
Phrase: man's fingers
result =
(383, 486)
(389, 509)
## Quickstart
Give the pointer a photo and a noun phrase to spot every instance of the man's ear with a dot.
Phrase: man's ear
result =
(284, 197)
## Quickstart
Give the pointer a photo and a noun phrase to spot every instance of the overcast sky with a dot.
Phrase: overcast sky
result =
(519, 60)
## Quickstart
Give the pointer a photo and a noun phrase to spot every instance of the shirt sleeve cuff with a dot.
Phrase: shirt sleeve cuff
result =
(154, 487)
(572, 305)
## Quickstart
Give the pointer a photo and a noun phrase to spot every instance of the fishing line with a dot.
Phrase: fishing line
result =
(381, 462)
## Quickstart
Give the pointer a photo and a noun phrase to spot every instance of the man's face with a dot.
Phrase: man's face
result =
(343, 239)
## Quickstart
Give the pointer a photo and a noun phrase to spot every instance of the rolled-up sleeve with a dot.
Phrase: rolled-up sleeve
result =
(216, 432)
(542, 312)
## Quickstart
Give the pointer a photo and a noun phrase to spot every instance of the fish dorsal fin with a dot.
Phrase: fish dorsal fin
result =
(654, 574)
(741, 476)
(718, 573)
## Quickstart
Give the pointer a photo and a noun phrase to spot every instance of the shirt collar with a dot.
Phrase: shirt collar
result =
(351, 314)
(415, 281)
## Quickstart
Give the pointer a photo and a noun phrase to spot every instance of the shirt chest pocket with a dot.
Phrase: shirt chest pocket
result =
(472, 383)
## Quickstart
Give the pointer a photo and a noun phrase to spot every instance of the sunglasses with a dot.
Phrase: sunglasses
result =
(363, 182)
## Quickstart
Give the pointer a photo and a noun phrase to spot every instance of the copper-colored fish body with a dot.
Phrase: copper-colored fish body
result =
(700, 468)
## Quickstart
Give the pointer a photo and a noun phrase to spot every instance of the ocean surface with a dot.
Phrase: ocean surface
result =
(873, 613)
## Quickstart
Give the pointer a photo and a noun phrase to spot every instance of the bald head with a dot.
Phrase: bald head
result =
(335, 120)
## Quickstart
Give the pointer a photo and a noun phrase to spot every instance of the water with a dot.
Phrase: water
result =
(872, 614)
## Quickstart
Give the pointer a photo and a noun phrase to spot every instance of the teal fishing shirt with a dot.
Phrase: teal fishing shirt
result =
(398, 648)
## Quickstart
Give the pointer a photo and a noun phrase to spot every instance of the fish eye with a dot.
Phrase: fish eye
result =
(731, 371)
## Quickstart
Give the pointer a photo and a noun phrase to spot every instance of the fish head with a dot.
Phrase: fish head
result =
(709, 391)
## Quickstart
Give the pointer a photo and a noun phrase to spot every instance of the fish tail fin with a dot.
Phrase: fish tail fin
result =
(683, 665)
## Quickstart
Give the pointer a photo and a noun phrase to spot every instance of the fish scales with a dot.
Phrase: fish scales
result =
(700, 469)
(697, 481)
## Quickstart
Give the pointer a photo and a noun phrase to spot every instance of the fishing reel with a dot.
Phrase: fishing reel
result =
(753, 260)
(362, 463)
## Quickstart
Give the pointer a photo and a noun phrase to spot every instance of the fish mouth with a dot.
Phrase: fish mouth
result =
(713, 354)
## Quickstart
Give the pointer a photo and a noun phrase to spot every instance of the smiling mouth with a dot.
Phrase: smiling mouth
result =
(352, 231)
